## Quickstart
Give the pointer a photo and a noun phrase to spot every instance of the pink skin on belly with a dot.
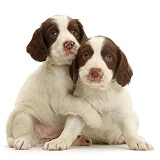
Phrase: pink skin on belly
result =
(44, 132)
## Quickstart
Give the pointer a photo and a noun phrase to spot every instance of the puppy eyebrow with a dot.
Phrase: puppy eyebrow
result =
(73, 24)
(49, 24)
(54, 25)
(86, 48)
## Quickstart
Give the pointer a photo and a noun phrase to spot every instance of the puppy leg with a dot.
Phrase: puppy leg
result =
(9, 132)
(75, 106)
(22, 131)
(129, 130)
(72, 129)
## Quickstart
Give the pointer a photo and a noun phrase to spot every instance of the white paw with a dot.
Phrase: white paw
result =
(93, 120)
(21, 144)
(56, 144)
(140, 145)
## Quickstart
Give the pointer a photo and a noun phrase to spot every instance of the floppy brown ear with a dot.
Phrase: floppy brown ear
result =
(73, 70)
(36, 47)
(83, 36)
(124, 72)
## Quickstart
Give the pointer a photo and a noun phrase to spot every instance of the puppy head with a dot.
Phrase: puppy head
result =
(98, 62)
(58, 37)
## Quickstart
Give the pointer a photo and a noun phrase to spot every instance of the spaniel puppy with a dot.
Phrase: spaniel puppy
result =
(46, 97)
(101, 72)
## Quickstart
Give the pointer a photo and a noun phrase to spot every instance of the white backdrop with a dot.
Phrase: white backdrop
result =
(133, 25)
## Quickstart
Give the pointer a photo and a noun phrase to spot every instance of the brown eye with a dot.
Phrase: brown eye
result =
(85, 55)
(53, 34)
(109, 58)
(74, 31)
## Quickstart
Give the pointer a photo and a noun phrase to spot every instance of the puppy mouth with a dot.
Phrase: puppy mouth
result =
(94, 79)
(69, 52)
(94, 83)
(100, 80)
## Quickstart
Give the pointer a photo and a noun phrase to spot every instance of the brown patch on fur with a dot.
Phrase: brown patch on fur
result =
(74, 29)
(47, 28)
(79, 61)
(119, 64)
(110, 48)
(80, 36)
(41, 40)
(124, 72)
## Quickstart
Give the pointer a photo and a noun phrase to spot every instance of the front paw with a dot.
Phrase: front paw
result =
(93, 119)
(140, 145)
(21, 144)
(56, 145)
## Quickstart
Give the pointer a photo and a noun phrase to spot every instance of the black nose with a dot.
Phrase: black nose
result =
(68, 44)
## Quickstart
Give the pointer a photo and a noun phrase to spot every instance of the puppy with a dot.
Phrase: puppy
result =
(101, 72)
(46, 97)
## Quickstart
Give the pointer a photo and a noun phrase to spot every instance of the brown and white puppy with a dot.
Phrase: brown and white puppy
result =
(45, 99)
(100, 71)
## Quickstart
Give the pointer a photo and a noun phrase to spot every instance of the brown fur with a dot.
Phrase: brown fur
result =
(124, 71)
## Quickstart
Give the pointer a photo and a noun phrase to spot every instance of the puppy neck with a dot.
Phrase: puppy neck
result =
(96, 88)
(51, 65)
(83, 90)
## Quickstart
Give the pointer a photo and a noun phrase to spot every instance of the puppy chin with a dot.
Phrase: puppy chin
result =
(63, 59)
(94, 84)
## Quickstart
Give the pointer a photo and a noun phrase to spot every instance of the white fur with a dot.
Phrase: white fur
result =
(112, 101)
(45, 99)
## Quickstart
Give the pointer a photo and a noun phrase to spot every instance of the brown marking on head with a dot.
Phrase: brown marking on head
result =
(42, 39)
(116, 60)
(109, 54)
(76, 28)
(85, 52)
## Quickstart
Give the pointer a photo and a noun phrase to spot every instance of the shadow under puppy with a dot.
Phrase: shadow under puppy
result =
(46, 97)
(101, 71)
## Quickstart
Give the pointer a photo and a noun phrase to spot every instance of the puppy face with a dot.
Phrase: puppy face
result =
(58, 37)
(99, 61)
